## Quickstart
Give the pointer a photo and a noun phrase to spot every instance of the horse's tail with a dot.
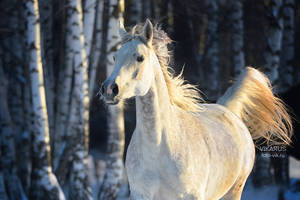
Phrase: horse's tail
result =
(265, 115)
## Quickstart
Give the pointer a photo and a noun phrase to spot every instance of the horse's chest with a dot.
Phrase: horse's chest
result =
(142, 174)
(149, 170)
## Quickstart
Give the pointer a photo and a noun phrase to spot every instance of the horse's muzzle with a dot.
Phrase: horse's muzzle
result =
(109, 92)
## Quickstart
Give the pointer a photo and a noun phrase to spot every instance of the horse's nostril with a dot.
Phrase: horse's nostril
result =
(115, 89)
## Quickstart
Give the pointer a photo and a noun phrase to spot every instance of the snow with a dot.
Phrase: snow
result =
(271, 192)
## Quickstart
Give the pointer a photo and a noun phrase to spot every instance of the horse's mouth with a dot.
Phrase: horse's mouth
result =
(112, 102)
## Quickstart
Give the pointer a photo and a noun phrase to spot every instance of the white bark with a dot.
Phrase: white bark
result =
(64, 94)
(96, 50)
(44, 182)
(47, 57)
(114, 163)
(88, 24)
(115, 149)
(274, 37)
(79, 111)
(287, 53)
(237, 36)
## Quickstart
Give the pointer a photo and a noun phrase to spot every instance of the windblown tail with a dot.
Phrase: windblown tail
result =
(265, 115)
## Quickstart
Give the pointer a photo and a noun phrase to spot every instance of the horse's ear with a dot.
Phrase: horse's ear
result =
(148, 31)
(123, 33)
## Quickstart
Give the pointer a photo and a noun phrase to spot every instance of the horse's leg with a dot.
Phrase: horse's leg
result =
(236, 190)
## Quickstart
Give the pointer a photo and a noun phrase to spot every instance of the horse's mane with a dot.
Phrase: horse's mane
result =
(181, 93)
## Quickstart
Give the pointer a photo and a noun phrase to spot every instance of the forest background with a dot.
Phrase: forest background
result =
(59, 141)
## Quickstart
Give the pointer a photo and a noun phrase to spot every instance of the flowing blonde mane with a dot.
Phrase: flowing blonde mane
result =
(181, 93)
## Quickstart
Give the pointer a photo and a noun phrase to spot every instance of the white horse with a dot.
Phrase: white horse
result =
(182, 149)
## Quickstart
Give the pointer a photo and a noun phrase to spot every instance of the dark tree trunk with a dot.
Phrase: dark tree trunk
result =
(184, 45)
(237, 36)
(287, 52)
(210, 60)
(273, 34)
(8, 158)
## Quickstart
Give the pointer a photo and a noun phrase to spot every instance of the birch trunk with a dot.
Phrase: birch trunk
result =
(88, 25)
(287, 53)
(210, 57)
(47, 58)
(79, 111)
(115, 146)
(43, 183)
(237, 36)
(96, 50)
(274, 37)
(64, 95)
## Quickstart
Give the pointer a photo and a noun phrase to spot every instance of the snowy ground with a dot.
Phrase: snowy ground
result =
(270, 193)
(249, 193)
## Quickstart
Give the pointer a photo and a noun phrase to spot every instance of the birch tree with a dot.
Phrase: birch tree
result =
(115, 145)
(89, 13)
(96, 47)
(287, 52)
(46, 8)
(237, 36)
(79, 110)
(64, 94)
(210, 60)
(43, 183)
(273, 36)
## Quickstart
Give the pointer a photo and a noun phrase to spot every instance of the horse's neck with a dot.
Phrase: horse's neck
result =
(153, 110)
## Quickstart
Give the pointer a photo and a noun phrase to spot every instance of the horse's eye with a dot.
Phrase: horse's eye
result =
(114, 58)
(140, 58)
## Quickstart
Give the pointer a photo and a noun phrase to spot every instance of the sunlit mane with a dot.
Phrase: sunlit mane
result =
(182, 94)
